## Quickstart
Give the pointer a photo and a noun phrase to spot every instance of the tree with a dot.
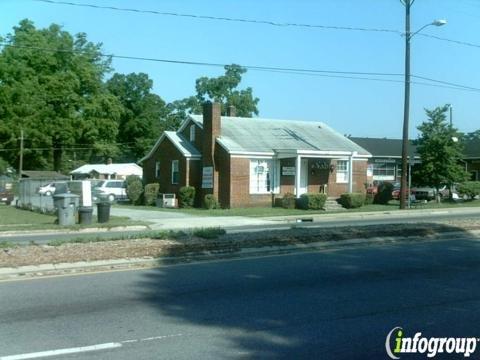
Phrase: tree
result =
(51, 87)
(143, 115)
(440, 151)
(222, 89)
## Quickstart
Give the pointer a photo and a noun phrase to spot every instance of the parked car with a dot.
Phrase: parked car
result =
(53, 187)
(6, 194)
(111, 190)
(428, 193)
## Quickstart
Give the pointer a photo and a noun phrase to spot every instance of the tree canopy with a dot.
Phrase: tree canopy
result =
(142, 119)
(440, 151)
(57, 97)
(222, 89)
(53, 87)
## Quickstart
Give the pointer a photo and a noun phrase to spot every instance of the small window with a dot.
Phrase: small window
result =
(175, 172)
(192, 132)
(157, 169)
(342, 171)
(262, 179)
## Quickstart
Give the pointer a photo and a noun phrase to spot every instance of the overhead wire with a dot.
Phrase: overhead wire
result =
(361, 75)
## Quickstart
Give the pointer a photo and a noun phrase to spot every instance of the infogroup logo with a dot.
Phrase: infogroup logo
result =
(397, 344)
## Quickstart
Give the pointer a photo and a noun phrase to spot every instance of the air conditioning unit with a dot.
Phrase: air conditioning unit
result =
(166, 201)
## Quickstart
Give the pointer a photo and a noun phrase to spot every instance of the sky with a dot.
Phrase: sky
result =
(351, 106)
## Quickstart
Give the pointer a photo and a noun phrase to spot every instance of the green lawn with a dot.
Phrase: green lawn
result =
(277, 211)
(12, 219)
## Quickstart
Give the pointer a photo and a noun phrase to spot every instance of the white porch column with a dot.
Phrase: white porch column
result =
(298, 164)
(350, 173)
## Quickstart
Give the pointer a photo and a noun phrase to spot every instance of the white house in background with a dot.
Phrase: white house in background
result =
(106, 171)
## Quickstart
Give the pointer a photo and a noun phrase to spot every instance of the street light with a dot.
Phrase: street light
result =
(406, 108)
(450, 107)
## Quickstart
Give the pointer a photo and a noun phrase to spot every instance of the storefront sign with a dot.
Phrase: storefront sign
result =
(207, 177)
(288, 170)
(385, 160)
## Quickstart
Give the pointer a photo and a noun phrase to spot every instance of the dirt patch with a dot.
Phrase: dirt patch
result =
(229, 243)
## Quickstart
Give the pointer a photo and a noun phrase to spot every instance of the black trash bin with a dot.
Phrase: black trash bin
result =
(85, 215)
(103, 212)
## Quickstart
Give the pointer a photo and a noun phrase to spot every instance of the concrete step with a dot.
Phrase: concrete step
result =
(332, 205)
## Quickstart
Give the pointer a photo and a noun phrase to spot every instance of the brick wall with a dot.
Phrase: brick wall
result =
(165, 153)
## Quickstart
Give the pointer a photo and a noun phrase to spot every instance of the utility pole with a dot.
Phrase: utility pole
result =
(406, 106)
(20, 162)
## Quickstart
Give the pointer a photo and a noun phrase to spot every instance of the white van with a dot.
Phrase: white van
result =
(111, 189)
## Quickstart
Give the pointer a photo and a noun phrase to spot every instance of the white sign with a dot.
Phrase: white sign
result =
(288, 170)
(207, 177)
(370, 170)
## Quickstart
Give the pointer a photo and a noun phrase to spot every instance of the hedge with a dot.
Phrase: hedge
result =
(384, 194)
(469, 188)
(134, 188)
(288, 201)
(210, 202)
(151, 193)
(352, 200)
(312, 201)
(186, 196)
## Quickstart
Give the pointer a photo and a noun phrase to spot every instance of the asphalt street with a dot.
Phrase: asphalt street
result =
(258, 224)
(328, 305)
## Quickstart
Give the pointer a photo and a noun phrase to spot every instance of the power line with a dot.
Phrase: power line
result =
(296, 71)
(219, 18)
(458, 42)
(256, 21)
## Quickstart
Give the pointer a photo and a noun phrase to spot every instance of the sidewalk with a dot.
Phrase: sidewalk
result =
(176, 221)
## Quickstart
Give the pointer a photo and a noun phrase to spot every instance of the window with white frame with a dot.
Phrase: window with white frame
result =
(342, 171)
(192, 132)
(157, 169)
(263, 175)
(384, 171)
(175, 172)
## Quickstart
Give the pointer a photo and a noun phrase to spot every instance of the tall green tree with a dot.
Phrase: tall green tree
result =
(143, 116)
(222, 89)
(440, 151)
(51, 87)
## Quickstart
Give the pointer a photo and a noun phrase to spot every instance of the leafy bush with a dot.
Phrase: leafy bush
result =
(134, 188)
(288, 201)
(384, 194)
(210, 202)
(209, 233)
(369, 199)
(469, 188)
(151, 193)
(352, 200)
(312, 201)
(186, 196)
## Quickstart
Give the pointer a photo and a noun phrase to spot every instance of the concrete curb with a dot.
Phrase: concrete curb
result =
(25, 272)
(69, 232)
(370, 214)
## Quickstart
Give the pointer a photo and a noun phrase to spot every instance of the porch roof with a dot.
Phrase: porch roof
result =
(259, 135)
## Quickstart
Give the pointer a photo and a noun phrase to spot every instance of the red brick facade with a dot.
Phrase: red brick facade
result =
(231, 181)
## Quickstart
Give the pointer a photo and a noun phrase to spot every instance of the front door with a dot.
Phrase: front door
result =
(303, 177)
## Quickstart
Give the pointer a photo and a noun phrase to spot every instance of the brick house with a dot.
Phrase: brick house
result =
(471, 157)
(250, 161)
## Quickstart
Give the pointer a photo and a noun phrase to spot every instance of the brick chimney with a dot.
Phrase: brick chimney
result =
(232, 111)
(109, 161)
(211, 130)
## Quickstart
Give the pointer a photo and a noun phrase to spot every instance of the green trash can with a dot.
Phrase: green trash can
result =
(85, 215)
(103, 212)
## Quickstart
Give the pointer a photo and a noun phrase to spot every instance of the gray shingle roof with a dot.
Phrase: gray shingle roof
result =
(269, 135)
(383, 147)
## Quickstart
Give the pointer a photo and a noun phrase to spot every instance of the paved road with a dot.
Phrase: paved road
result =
(176, 221)
(327, 305)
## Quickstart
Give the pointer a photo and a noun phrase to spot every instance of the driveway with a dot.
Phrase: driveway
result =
(176, 220)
